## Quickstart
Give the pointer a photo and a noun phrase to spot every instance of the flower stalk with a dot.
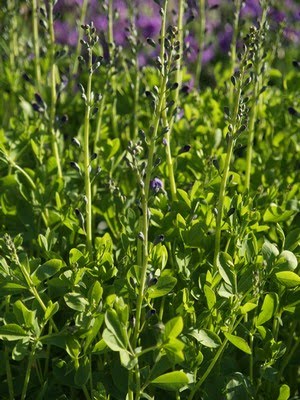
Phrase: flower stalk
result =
(53, 99)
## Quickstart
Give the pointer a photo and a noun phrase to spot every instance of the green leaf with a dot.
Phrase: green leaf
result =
(210, 297)
(287, 261)
(292, 240)
(82, 374)
(46, 270)
(173, 328)
(288, 278)
(93, 332)
(95, 294)
(76, 257)
(115, 335)
(12, 332)
(9, 288)
(76, 301)
(164, 286)
(268, 308)
(173, 349)
(284, 392)
(238, 342)
(247, 307)
(99, 347)
(52, 309)
(23, 314)
(183, 196)
(206, 337)
(21, 350)
(112, 341)
(269, 252)
(225, 266)
(171, 381)
(275, 214)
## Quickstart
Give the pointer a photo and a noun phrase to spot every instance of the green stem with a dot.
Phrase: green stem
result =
(290, 352)
(86, 154)
(257, 85)
(237, 8)
(202, 22)
(80, 36)
(178, 80)
(28, 372)
(213, 362)
(111, 56)
(36, 46)
(7, 359)
(99, 120)
(52, 130)
(222, 194)
(144, 223)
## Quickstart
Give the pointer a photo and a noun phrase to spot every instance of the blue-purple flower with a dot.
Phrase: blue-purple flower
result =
(156, 185)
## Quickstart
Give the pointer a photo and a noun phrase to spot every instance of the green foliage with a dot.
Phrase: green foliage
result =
(112, 286)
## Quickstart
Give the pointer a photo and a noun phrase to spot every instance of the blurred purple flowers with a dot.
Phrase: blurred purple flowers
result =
(148, 22)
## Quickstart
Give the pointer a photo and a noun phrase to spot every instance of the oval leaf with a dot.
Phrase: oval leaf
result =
(206, 337)
(164, 286)
(12, 332)
(288, 278)
(238, 342)
(171, 381)
(46, 270)
(76, 301)
(173, 328)
(268, 308)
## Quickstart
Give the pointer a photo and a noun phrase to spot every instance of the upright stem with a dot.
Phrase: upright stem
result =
(13, 42)
(86, 153)
(230, 145)
(36, 45)
(80, 36)
(7, 359)
(254, 109)
(222, 194)
(28, 372)
(178, 80)
(237, 8)
(111, 56)
(202, 22)
(52, 130)
(145, 191)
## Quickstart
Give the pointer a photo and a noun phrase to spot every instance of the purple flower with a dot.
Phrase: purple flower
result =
(64, 34)
(225, 38)
(277, 15)
(149, 25)
(156, 185)
(252, 8)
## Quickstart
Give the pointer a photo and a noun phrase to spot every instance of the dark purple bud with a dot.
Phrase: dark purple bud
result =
(141, 236)
(158, 239)
(151, 42)
(37, 108)
(26, 77)
(76, 142)
(75, 166)
(94, 156)
(150, 313)
(190, 19)
(39, 99)
(64, 119)
(185, 149)
(216, 163)
(80, 217)
(230, 212)
(296, 64)
(156, 185)
(292, 111)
